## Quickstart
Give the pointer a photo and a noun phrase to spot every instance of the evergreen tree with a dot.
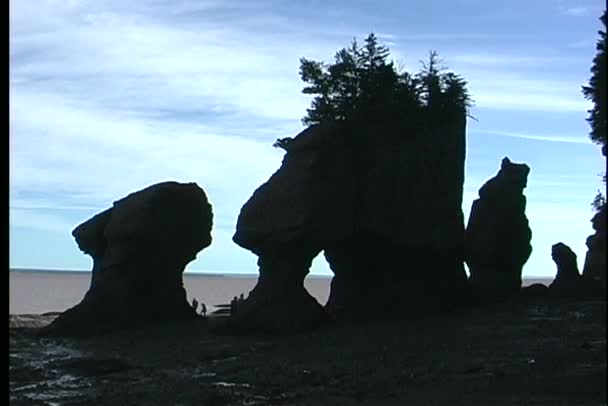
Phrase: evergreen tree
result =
(429, 78)
(596, 90)
(313, 72)
(363, 85)
(596, 93)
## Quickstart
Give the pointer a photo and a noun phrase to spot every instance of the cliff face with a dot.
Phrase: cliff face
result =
(403, 187)
(384, 206)
(306, 202)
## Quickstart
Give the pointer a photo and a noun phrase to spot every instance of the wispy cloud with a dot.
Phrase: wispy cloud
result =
(582, 44)
(578, 8)
(541, 137)
(108, 96)
(541, 82)
(34, 219)
(575, 11)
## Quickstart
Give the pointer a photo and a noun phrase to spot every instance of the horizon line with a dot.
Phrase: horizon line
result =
(208, 273)
(188, 273)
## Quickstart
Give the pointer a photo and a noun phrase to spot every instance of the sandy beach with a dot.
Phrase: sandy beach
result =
(533, 353)
(38, 292)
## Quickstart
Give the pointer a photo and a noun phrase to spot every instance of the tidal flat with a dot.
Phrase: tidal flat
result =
(505, 354)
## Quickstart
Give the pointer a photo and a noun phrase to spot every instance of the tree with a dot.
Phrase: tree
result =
(313, 72)
(596, 90)
(364, 85)
(596, 93)
(429, 78)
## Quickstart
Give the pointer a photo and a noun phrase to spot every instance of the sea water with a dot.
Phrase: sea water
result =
(42, 291)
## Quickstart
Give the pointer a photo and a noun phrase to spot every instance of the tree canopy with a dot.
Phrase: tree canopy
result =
(364, 84)
(595, 91)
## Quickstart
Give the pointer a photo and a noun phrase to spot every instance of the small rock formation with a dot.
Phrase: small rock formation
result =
(594, 270)
(387, 211)
(140, 248)
(567, 281)
(534, 292)
(497, 236)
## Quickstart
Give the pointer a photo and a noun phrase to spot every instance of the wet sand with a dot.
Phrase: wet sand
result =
(507, 354)
(37, 292)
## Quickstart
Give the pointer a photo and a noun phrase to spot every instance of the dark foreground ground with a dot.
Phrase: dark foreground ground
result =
(524, 354)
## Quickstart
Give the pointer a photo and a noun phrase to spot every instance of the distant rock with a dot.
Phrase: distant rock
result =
(498, 236)
(385, 208)
(534, 292)
(594, 270)
(567, 280)
(140, 248)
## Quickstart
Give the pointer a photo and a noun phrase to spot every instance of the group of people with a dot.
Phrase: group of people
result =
(234, 304)
(203, 307)
(236, 301)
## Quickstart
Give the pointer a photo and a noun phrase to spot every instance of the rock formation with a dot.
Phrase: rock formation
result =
(497, 237)
(594, 270)
(567, 280)
(385, 208)
(140, 248)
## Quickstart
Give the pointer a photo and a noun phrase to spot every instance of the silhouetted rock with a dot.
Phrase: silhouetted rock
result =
(140, 248)
(279, 303)
(567, 280)
(594, 270)
(497, 234)
(385, 207)
(536, 291)
(285, 223)
(402, 252)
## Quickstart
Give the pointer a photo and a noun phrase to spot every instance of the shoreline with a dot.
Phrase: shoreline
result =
(545, 354)
(35, 292)
(186, 273)
(527, 280)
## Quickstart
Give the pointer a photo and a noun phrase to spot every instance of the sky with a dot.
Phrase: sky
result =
(108, 97)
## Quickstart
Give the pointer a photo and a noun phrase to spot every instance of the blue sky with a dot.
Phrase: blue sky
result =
(108, 97)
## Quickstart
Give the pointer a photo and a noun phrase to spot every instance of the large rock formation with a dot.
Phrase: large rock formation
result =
(385, 207)
(140, 248)
(567, 280)
(497, 236)
(594, 270)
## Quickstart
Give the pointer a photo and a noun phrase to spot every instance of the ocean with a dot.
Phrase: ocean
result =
(41, 291)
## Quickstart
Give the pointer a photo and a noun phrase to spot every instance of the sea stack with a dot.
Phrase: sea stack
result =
(384, 206)
(594, 270)
(140, 248)
(567, 280)
(498, 235)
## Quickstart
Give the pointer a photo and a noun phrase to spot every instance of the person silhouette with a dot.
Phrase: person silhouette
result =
(233, 304)
(194, 304)
(203, 310)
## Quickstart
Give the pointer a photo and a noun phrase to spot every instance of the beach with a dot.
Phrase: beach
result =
(40, 291)
(43, 291)
(532, 353)
(509, 354)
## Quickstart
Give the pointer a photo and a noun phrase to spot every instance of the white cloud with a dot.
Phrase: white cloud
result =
(511, 81)
(96, 157)
(34, 219)
(575, 11)
(108, 97)
(541, 137)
